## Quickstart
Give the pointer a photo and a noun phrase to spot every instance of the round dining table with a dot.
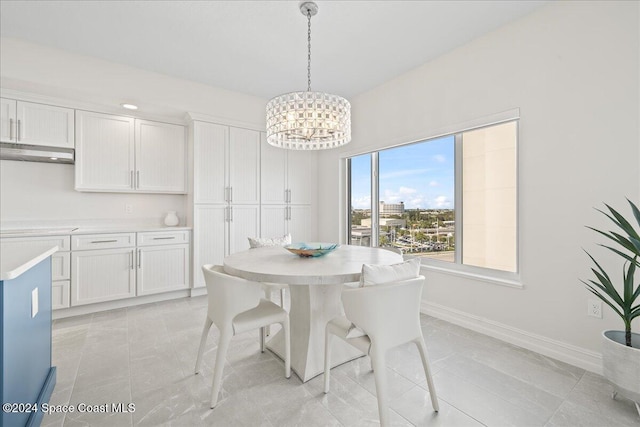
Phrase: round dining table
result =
(315, 286)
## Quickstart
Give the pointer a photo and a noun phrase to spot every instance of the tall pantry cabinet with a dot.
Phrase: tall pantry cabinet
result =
(288, 188)
(243, 187)
(226, 192)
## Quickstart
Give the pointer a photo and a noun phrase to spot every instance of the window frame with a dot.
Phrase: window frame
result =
(456, 268)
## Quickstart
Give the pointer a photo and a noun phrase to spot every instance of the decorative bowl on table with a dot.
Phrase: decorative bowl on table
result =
(311, 250)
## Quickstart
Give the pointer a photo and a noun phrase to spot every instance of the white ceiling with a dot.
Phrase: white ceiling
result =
(259, 47)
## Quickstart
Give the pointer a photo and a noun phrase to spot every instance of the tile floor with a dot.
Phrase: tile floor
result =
(145, 355)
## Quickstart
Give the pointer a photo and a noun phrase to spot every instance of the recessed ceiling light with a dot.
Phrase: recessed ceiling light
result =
(53, 158)
(129, 106)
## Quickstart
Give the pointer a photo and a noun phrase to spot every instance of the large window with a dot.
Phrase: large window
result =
(449, 199)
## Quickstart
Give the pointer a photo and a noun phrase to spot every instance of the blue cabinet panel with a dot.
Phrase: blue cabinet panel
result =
(25, 343)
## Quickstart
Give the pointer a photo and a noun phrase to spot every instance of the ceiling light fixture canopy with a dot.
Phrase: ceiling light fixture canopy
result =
(308, 120)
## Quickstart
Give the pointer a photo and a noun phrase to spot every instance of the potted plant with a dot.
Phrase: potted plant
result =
(621, 349)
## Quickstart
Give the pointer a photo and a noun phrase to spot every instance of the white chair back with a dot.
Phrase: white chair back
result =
(229, 295)
(389, 313)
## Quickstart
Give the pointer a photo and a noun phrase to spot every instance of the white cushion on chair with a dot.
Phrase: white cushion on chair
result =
(260, 242)
(373, 274)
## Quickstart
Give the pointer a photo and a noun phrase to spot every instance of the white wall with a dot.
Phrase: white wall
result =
(572, 69)
(41, 191)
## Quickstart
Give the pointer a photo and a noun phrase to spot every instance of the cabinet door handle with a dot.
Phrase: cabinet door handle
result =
(131, 181)
(131, 260)
(139, 257)
(231, 195)
(289, 196)
(19, 129)
(138, 179)
(164, 238)
(11, 129)
(104, 241)
(226, 195)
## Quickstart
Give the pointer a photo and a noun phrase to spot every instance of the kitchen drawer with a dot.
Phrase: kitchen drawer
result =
(103, 241)
(60, 294)
(41, 242)
(156, 238)
(61, 266)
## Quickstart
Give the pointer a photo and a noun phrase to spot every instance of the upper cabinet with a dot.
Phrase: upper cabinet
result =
(122, 154)
(226, 164)
(288, 177)
(36, 124)
(161, 155)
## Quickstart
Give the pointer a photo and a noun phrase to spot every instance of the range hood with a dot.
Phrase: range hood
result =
(36, 153)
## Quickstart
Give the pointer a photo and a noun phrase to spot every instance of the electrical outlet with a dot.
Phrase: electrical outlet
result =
(594, 308)
(128, 208)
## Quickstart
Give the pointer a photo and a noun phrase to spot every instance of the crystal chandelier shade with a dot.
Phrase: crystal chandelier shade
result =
(308, 120)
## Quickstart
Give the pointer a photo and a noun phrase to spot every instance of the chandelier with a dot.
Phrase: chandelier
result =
(308, 120)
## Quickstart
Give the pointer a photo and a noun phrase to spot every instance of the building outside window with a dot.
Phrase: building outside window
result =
(450, 199)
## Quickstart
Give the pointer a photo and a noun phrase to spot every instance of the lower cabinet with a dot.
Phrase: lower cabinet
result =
(102, 275)
(162, 268)
(60, 294)
(60, 262)
(159, 263)
(95, 268)
(221, 231)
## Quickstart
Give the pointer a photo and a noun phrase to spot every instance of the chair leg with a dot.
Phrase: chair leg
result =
(203, 342)
(221, 356)
(263, 337)
(287, 348)
(422, 347)
(327, 359)
(378, 361)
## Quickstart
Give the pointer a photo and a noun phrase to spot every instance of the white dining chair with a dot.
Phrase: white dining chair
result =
(389, 314)
(236, 305)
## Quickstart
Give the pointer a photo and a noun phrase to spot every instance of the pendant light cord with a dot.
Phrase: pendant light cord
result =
(309, 51)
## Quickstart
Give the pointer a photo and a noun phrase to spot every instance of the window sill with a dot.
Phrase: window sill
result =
(458, 271)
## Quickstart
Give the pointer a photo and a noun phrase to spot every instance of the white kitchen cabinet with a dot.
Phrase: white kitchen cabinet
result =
(60, 261)
(102, 275)
(36, 124)
(297, 220)
(288, 176)
(226, 164)
(161, 157)
(105, 155)
(162, 262)
(220, 230)
(289, 187)
(8, 120)
(60, 293)
(122, 154)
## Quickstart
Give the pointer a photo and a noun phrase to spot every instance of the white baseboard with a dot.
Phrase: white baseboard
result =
(573, 355)
(196, 292)
(121, 303)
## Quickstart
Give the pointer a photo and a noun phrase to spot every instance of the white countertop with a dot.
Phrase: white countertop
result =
(15, 262)
(85, 229)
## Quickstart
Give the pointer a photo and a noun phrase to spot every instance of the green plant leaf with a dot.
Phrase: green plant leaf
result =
(627, 246)
(635, 210)
(623, 223)
(628, 277)
(606, 301)
(622, 254)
